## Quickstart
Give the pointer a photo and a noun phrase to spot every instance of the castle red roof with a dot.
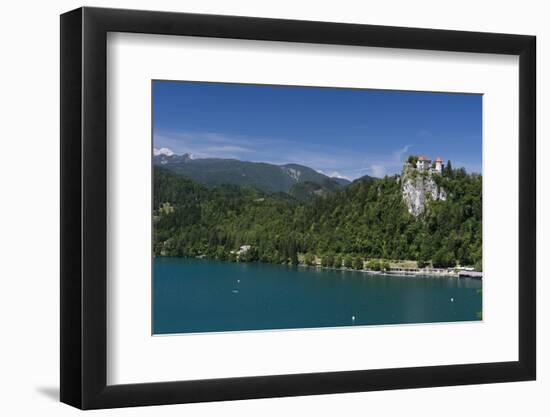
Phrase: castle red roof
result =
(439, 159)
(424, 158)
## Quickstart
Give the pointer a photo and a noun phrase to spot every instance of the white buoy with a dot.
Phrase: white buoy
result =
(452, 300)
(353, 319)
(238, 281)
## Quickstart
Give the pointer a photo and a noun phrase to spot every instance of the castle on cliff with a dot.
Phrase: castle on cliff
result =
(425, 164)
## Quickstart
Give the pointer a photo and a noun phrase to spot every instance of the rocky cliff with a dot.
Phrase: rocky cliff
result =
(418, 188)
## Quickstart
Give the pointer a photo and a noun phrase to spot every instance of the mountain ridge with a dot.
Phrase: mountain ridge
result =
(264, 176)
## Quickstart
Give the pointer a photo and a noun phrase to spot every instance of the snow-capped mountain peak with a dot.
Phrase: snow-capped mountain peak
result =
(163, 151)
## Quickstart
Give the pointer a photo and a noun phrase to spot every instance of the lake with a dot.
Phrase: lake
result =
(200, 295)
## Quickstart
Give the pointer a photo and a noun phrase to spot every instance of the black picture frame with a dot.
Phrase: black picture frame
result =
(84, 207)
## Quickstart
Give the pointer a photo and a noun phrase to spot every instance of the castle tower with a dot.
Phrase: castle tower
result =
(439, 165)
(424, 163)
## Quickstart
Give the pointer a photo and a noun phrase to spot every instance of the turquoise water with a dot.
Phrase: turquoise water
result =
(199, 295)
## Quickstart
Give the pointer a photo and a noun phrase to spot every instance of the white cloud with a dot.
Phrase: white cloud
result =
(401, 153)
(163, 151)
(332, 160)
(377, 170)
(336, 174)
(381, 165)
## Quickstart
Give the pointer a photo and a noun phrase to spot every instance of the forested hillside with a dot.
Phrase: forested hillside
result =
(263, 176)
(367, 219)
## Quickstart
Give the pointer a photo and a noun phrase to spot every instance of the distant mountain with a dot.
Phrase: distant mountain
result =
(263, 176)
(341, 181)
(167, 157)
(306, 190)
(364, 178)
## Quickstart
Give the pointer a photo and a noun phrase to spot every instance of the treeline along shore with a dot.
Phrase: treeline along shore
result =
(364, 225)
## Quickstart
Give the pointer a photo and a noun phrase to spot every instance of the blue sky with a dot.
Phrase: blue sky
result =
(341, 132)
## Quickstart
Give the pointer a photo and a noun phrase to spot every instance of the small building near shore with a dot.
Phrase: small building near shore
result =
(242, 250)
(470, 274)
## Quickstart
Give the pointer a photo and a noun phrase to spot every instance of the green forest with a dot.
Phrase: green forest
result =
(366, 220)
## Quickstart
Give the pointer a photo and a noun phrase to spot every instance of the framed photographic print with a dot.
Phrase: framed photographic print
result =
(257, 208)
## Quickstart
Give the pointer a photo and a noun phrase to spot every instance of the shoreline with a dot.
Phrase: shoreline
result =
(409, 273)
(419, 273)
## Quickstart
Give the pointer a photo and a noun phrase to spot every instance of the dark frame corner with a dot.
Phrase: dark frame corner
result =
(83, 207)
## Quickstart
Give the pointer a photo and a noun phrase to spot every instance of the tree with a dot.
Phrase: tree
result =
(357, 263)
(443, 259)
(348, 261)
(220, 253)
(327, 260)
(309, 259)
(293, 256)
(422, 263)
(373, 265)
(448, 171)
(478, 266)
(412, 159)
(338, 261)
(250, 255)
